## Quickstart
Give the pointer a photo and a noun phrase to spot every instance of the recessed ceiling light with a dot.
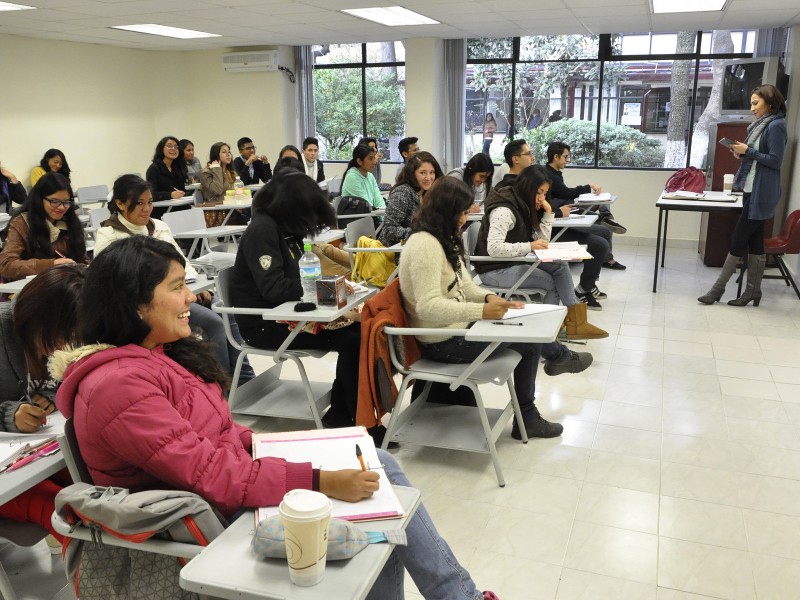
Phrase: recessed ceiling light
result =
(173, 32)
(679, 6)
(393, 16)
(8, 6)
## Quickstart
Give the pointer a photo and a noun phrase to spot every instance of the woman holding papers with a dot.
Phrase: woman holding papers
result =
(146, 399)
(438, 292)
(759, 177)
(517, 221)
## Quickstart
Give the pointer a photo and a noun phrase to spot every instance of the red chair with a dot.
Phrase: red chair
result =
(786, 242)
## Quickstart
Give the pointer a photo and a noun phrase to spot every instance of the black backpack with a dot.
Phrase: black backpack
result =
(353, 205)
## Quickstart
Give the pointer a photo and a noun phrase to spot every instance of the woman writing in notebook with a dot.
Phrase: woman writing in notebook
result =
(438, 292)
(518, 220)
(146, 399)
(45, 231)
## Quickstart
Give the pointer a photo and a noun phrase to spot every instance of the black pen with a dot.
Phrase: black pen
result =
(506, 323)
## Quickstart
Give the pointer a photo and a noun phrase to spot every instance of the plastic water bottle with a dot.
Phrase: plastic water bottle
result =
(310, 271)
(238, 187)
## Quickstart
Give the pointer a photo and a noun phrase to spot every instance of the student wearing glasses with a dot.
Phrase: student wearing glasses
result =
(44, 232)
(167, 173)
(251, 167)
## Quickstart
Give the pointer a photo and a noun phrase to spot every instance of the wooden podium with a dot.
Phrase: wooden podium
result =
(716, 228)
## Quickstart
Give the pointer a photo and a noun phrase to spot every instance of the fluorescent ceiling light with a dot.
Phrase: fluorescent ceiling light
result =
(8, 6)
(393, 16)
(680, 6)
(173, 32)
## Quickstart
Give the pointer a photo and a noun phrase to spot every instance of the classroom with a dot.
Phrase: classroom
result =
(678, 472)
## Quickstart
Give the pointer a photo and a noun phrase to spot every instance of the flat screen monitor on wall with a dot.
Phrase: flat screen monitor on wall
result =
(739, 79)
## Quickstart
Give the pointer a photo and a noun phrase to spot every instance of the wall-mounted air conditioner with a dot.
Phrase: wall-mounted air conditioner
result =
(241, 62)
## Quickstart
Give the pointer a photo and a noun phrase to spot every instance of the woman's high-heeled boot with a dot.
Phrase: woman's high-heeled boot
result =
(716, 291)
(755, 272)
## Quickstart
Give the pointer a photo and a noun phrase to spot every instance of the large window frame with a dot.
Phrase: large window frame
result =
(607, 53)
(362, 65)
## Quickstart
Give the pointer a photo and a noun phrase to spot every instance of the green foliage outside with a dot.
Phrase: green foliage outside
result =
(337, 107)
(620, 145)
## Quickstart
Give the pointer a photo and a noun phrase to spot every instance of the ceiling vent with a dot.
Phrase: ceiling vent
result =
(241, 62)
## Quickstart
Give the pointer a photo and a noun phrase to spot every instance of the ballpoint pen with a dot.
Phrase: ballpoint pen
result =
(507, 323)
(360, 458)
(44, 451)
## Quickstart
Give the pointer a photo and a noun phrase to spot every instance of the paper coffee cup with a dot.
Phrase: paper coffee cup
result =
(305, 515)
(727, 183)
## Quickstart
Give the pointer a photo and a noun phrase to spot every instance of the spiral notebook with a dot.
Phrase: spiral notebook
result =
(332, 449)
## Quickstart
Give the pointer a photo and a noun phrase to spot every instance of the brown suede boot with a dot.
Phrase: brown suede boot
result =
(578, 328)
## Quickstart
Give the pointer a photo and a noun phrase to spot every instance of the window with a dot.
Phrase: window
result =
(359, 91)
(638, 100)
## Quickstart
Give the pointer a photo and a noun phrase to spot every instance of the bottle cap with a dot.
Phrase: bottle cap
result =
(307, 247)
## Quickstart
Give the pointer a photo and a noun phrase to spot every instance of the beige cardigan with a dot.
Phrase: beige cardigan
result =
(425, 276)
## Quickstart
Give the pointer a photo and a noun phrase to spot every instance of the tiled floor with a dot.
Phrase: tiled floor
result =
(678, 474)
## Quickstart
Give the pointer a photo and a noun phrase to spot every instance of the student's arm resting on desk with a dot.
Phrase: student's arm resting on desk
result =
(546, 226)
(12, 265)
(137, 424)
(501, 221)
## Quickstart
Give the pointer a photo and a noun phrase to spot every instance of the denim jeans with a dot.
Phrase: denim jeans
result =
(554, 278)
(458, 350)
(427, 557)
(598, 243)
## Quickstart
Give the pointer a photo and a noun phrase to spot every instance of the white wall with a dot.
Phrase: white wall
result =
(107, 107)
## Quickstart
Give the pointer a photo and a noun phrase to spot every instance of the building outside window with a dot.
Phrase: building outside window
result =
(359, 91)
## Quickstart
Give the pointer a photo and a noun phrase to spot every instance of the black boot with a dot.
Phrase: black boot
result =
(716, 291)
(535, 425)
(755, 272)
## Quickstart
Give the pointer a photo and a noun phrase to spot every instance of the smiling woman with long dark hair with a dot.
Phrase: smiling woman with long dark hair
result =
(45, 231)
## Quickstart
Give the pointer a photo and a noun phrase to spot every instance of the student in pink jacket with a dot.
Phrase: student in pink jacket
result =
(146, 399)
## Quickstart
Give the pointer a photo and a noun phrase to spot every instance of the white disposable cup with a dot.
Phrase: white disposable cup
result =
(305, 515)
(727, 183)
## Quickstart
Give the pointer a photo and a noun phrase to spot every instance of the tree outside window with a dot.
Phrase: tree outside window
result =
(359, 91)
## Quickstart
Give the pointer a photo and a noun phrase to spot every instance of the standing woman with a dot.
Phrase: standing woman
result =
(438, 292)
(489, 128)
(477, 174)
(53, 161)
(45, 231)
(193, 166)
(266, 274)
(219, 174)
(413, 182)
(358, 179)
(759, 177)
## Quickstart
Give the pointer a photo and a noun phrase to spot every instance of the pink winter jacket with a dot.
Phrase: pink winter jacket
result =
(145, 422)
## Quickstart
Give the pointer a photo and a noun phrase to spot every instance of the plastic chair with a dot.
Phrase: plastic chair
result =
(470, 237)
(786, 242)
(268, 394)
(468, 428)
(92, 194)
(193, 219)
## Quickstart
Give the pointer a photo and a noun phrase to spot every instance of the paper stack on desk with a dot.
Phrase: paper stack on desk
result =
(563, 251)
(331, 450)
(604, 197)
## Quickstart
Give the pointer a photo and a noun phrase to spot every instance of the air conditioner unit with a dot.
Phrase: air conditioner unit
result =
(241, 62)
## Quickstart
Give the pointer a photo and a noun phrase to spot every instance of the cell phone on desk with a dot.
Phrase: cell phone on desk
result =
(727, 142)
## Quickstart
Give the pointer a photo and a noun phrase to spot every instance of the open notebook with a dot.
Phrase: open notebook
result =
(332, 449)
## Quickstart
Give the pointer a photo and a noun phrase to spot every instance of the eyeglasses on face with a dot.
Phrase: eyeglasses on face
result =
(528, 153)
(56, 203)
(171, 146)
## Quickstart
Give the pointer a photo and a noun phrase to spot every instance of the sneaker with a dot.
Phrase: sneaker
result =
(574, 363)
(614, 226)
(616, 265)
(537, 427)
(595, 291)
(589, 300)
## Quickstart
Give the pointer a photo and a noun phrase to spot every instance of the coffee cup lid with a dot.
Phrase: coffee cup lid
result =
(301, 504)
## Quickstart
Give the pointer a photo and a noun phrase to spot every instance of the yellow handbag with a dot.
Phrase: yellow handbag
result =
(373, 268)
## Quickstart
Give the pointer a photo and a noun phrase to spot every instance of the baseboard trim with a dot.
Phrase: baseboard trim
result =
(628, 240)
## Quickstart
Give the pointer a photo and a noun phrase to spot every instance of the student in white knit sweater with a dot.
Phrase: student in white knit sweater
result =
(438, 292)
